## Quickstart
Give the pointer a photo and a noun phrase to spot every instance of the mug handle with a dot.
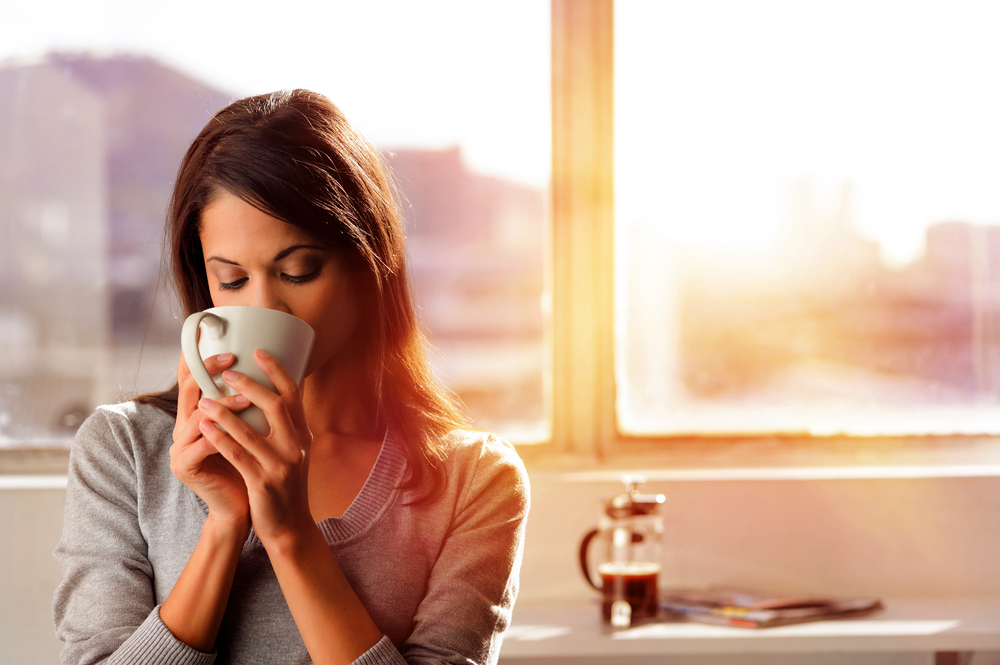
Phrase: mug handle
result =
(189, 347)
(584, 547)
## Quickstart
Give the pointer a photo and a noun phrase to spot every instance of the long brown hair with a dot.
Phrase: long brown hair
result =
(294, 155)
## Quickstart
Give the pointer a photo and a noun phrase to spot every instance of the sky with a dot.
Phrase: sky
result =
(720, 104)
(420, 73)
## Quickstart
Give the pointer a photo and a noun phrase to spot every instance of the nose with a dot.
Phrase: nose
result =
(266, 294)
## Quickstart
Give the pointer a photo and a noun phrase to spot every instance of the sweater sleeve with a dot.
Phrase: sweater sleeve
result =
(104, 609)
(473, 584)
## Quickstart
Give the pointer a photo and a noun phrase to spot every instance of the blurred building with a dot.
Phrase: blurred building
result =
(931, 329)
(477, 245)
(53, 254)
(88, 152)
(89, 149)
(152, 113)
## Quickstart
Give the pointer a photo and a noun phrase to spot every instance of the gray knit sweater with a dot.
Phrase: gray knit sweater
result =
(438, 578)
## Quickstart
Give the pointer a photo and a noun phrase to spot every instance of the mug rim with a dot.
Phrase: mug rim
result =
(215, 310)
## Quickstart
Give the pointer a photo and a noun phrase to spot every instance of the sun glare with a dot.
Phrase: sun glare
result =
(808, 216)
(722, 107)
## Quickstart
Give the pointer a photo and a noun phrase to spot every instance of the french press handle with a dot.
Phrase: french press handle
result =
(584, 548)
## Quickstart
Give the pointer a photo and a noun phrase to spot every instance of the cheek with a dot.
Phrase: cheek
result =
(338, 323)
(335, 322)
(223, 298)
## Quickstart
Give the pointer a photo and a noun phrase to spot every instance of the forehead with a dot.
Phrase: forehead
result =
(231, 225)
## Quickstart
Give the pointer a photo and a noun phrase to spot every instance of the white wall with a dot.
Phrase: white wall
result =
(886, 537)
(915, 537)
(30, 525)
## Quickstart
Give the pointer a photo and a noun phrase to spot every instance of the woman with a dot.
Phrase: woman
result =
(381, 531)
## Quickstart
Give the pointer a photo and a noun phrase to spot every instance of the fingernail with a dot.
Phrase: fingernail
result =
(230, 376)
(205, 404)
(240, 399)
(261, 353)
(225, 357)
(205, 426)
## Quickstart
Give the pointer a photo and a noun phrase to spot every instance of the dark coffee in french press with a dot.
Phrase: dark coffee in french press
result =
(630, 533)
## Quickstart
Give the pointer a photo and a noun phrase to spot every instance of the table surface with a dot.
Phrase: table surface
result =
(905, 625)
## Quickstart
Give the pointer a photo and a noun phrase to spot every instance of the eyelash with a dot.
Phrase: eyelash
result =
(232, 286)
(302, 279)
(293, 279)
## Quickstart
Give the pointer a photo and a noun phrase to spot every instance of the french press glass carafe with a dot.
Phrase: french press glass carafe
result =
(630, 535)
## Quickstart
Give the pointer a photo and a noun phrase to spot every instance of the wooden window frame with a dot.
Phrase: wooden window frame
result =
(581, 276)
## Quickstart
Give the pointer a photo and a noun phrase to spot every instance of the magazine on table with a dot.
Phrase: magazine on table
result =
(751, 609)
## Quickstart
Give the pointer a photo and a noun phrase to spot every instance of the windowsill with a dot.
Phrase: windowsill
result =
(36, 460)
(699, 459)
(777, 458)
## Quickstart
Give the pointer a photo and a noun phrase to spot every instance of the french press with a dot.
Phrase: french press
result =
(630, 534)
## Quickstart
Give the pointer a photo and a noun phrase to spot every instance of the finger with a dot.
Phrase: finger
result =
(234, 403)
(188, 389)
(274, 406)
(184, 403)
(242, 433)
(214, 364)
(286, 386)
(238, 455)
(186, 458)
(188, 431)
(182, 368)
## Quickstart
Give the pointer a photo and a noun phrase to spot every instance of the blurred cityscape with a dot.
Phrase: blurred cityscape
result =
(89, 148)
(816, 327)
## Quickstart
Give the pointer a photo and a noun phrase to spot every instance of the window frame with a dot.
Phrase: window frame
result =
(582, 228)
(581, 274)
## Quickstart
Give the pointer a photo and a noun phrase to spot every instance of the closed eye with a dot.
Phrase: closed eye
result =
(234, 285)
(237, 284)
(302, 279)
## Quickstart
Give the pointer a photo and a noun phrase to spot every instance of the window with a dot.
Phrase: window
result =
(807, 220)
(95, 115)
(799, 248)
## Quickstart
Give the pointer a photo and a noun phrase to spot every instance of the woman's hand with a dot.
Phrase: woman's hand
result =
(275, 468)
(195, 460)
(333, 622)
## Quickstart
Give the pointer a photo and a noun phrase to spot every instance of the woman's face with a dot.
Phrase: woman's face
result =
(252, 258)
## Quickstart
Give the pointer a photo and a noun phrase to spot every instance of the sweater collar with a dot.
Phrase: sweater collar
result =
(375, 496)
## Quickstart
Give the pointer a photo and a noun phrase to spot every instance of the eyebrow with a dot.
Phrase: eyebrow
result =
(277, 257)
(285, 252)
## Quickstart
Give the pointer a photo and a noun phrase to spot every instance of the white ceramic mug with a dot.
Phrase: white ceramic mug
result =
(241, 331)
